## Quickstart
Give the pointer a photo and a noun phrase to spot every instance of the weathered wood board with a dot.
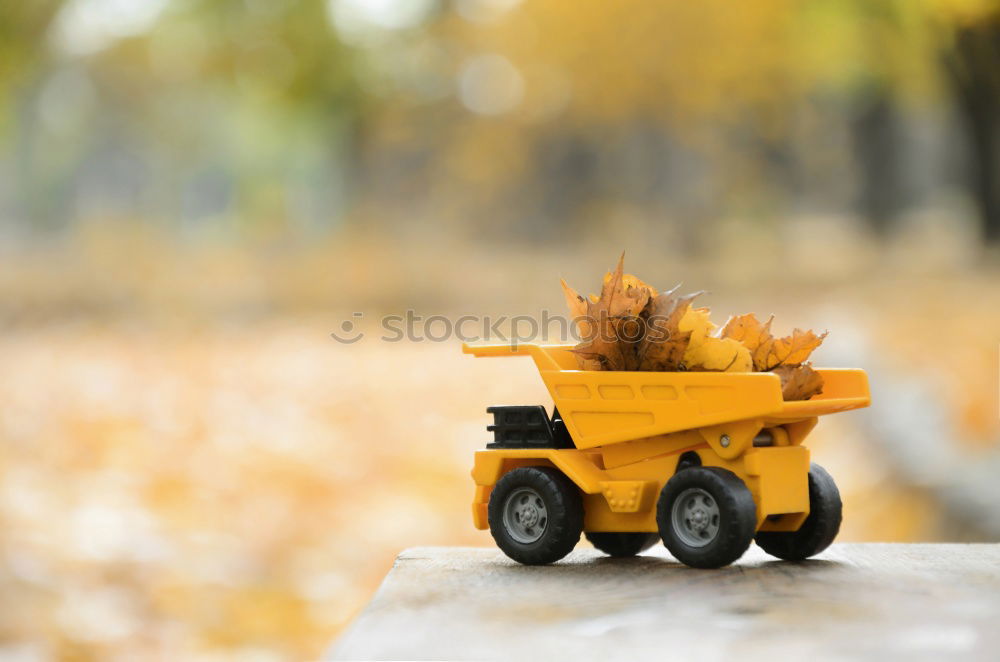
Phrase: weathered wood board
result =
(855, 601)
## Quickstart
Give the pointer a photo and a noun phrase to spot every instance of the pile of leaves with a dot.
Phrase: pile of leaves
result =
(631, 326)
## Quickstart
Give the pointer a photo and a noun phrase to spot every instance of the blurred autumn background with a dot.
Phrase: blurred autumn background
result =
(195, 193)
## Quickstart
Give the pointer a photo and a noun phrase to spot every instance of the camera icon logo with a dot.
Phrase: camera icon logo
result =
(349, 334)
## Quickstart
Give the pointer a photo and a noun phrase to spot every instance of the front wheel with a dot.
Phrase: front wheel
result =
(706, 517)
(621, 545)
(535, 515)
(820, 527)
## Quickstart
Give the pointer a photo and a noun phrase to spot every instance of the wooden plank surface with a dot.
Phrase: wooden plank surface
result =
(855, 601)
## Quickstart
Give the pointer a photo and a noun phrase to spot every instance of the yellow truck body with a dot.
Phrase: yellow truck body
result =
(630, 430)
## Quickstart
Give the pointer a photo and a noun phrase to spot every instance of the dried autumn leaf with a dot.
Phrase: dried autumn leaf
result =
(623, 294)
(718, 355)
(631, 327)
(697, 322)
(663, 346)
(611, 319)
(637, 289)
(604, 355)
(706, 352)
(769, 352)
(799, 382)
(790, 350)
(577, 309)
(755, 336)
(749, 331)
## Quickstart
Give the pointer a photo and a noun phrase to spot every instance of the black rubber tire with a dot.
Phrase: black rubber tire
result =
(737, 517)
(564, 507)
(819, 529)
(622, 545)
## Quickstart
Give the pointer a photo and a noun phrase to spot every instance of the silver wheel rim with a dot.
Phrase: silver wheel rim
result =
(695, 517)
(525, 516)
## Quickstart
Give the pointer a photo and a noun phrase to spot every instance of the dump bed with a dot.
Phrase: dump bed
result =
(607, 407)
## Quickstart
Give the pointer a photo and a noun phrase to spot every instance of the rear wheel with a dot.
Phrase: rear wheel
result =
(621, 545)
(820, 527)
(535, 515)
(706, 517)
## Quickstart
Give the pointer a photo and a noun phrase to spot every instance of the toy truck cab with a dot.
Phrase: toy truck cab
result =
(704, 461)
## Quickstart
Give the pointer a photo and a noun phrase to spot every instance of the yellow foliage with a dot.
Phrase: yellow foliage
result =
(799, 382)
(600, 46)
(697, 322)
(613, 322)
(793, 349)
(577, 308)
(673, 336)
(770, 352)
(748, 330)
(718, 354)
(634, 283)
(706, 352)
(664, 344)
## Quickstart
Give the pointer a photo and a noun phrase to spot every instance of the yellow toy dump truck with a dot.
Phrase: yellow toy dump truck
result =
(705, 461)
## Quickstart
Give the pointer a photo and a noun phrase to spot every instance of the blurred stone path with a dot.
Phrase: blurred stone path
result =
(914, 429)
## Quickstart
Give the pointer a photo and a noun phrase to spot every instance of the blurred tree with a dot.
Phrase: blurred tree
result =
(493, 113)
(23, 28)
(628, 109)
(237, 108)
(24, 60)
(973, 65)
(888, 39)
(877, 144)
